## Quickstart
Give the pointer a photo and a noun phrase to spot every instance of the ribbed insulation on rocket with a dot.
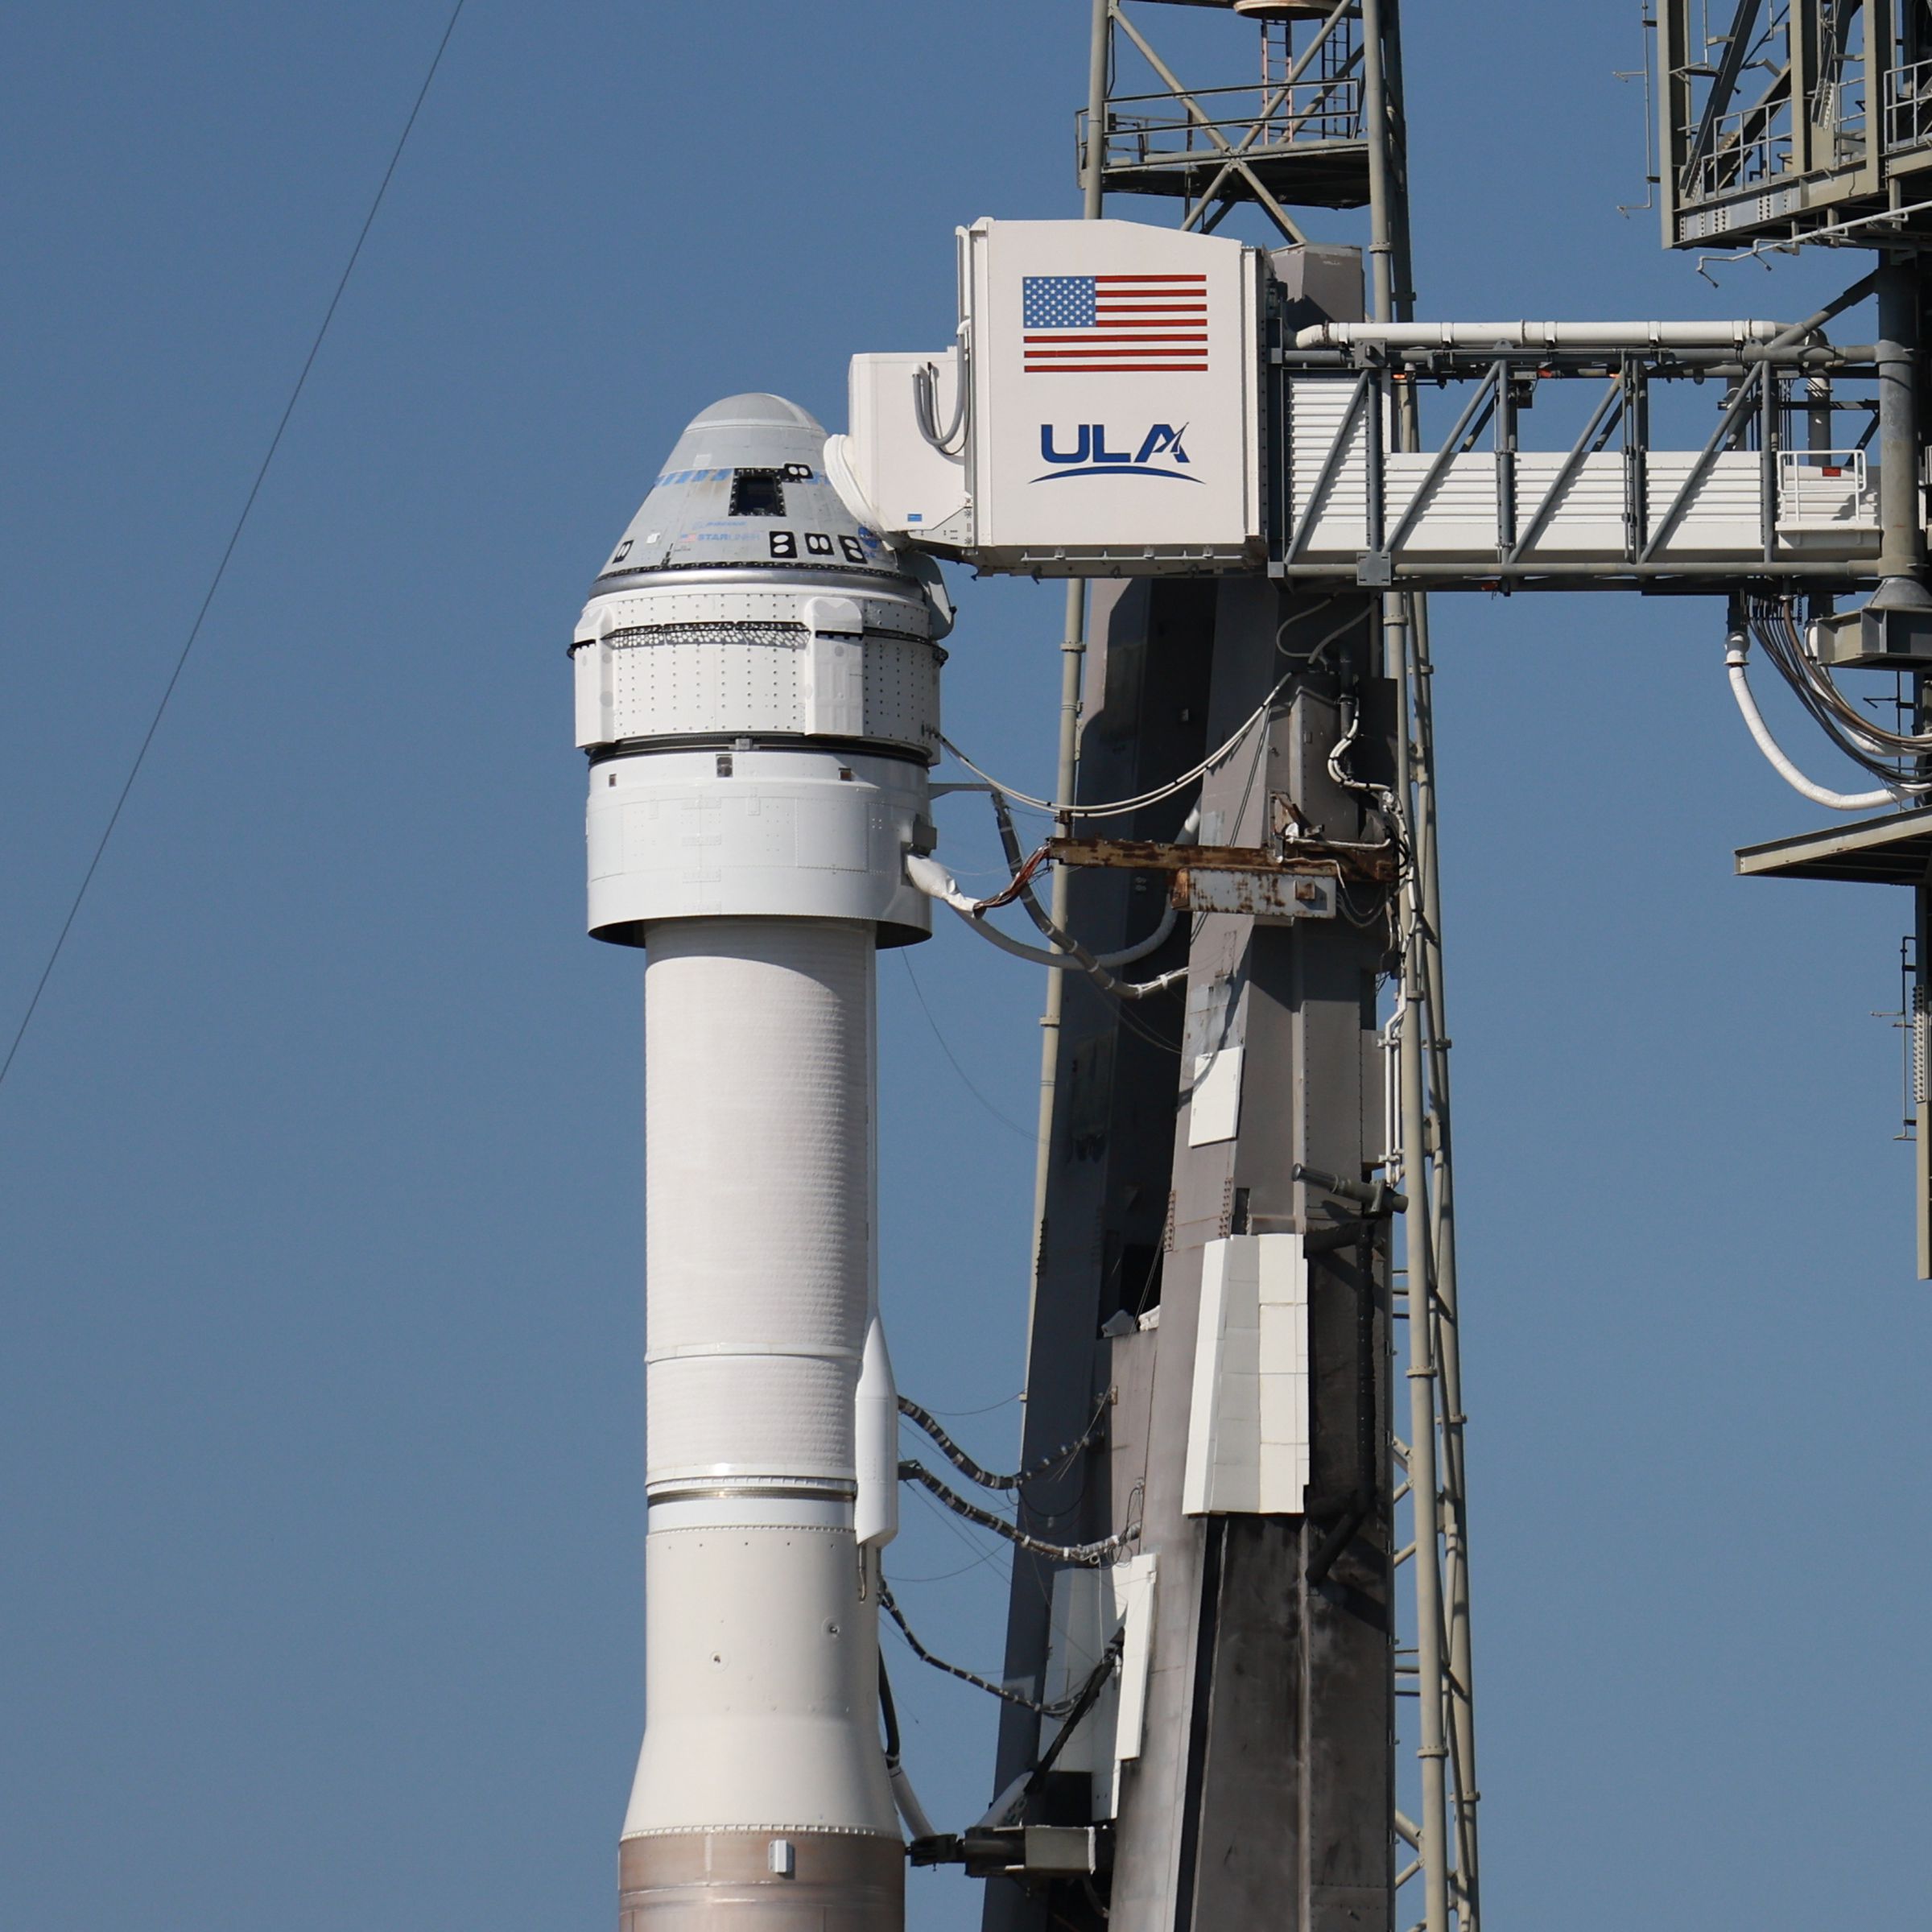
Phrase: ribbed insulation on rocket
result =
(758, 689)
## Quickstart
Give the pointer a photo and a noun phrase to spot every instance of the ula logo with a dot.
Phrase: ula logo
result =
(1159, 453)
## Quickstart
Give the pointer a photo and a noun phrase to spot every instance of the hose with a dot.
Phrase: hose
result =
(911, 1811)
(1735, 654)
(988, 1479)
(948, 441)
(1092, 1554)
(1878, 750)
(932, 878)
(1009, 844)
(1119, 806)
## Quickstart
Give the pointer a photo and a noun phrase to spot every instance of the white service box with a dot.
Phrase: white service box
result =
(1114, 421)
(908, 489)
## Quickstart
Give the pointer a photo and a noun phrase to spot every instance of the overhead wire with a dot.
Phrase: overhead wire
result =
(996, 1555)
(919, 994)
(1118, 807)
(235, 537)
(1005, 1401)
(946, 1576)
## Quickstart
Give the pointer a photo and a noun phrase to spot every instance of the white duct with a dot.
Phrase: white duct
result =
(1774, 754)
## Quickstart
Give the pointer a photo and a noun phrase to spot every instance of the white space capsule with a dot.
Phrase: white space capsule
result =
(758, 689)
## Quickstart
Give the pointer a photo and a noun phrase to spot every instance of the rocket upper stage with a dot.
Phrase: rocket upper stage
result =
(744, 613)
(758, 690)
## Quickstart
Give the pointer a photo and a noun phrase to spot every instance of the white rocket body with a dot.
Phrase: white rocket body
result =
(756, 681)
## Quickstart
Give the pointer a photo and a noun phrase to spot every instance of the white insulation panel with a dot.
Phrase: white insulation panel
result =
(1089, 1607)
(1248, 1431)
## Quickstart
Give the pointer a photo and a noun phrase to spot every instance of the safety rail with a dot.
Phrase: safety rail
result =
(1823, 490)
(1746, 149)
(1908, 107)
(1476, 509)
(1157, 131)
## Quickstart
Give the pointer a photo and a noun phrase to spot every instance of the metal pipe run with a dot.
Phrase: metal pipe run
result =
(1901, 523)
(1576, 338)
(1073, 660)
(1432, 1750)
(1611, 574)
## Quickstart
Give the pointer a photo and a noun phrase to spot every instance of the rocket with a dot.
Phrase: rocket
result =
(756, 689)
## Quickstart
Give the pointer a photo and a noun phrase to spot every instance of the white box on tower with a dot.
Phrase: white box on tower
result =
(1112, 421)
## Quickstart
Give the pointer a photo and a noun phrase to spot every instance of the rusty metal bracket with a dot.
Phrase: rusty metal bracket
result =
(1375, 865)
(1270, 895)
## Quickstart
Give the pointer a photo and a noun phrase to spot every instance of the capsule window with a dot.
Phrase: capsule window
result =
(757, 492)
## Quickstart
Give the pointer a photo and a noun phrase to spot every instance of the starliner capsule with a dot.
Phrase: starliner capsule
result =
(757, 691)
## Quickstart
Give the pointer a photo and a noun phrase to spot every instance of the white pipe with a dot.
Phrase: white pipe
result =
(918, 1824)
(1747, 703)
(1127, 955)
(936, 882)
(1573, 336)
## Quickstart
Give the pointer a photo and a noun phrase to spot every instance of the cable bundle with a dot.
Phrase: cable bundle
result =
(1774, 624)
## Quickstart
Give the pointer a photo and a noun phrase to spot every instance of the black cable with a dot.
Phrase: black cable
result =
(1071, 1708)
(889, 1713)
(1047, 1465)
(1774, 624)
(1091, 1553)
(1084, 1700)
(890, 1606)
(274, 443)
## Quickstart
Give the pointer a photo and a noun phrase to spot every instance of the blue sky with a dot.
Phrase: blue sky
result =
(320, 1403)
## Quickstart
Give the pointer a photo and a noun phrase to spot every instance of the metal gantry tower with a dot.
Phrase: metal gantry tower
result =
(1283, 1645)
(1788, 124)
(1239, 1680)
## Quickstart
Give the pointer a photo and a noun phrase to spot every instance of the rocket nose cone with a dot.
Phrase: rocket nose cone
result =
(745, 486)
(755, 411)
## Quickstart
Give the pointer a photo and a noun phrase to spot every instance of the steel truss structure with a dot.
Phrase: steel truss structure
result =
(1786, 121)
(1297, 137)
(1614, 509)
(1323, 128)
(1283, 1637)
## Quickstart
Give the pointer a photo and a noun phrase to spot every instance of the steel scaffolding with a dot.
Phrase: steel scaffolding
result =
(1323, 127)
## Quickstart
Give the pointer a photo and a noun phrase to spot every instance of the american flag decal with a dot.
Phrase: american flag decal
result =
(1124, 325)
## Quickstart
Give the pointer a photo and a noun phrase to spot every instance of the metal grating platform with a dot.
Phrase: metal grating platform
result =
(1896, 850)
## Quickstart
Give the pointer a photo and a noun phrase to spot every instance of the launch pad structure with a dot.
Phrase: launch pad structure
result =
(1266, 1788)
(1239, 1669)
(1267, 1734)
